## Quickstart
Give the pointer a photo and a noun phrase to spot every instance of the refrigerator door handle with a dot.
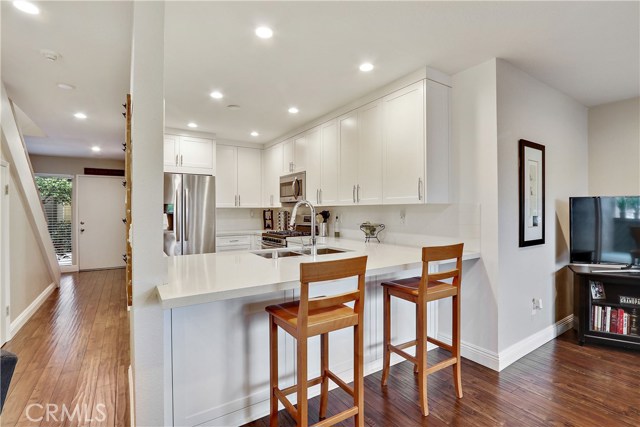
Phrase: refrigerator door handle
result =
(177, 221)
(186, 215)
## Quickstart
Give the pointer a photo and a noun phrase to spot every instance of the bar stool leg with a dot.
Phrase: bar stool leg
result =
(358, 379)
(421, 355)
(457, 371)
(324, 367)
(303, 404)
(386, 303)
(273, 360)
(415, 367)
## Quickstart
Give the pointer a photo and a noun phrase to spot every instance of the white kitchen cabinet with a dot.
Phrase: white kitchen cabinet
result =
(186, 154)
(360, 169)
(227, 243)
(416, 144)
(313, 153)
(288, 156)
(438, 143)
(249, 177)
(272, 169)
(329, 163)
(238, 183)
(227, 176)
(404, 145)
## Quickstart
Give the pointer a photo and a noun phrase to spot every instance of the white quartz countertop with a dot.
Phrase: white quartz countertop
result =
(237, 232)
(196, 279)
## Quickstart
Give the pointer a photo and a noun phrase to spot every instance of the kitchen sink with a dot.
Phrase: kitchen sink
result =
(274, 254)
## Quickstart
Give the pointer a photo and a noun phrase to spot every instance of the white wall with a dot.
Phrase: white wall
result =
(614, 148)
(529, 109)
(475, 181)
(71, 165)
(29, 274)
(230, 219)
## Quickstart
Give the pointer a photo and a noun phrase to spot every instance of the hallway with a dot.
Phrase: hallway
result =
(74, 354)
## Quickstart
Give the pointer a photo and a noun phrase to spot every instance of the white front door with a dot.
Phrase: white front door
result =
(101, 231)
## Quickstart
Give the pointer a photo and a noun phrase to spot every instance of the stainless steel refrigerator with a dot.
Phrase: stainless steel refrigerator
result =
(189, 214)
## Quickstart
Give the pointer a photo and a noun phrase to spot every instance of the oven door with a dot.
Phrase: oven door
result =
(292, 188)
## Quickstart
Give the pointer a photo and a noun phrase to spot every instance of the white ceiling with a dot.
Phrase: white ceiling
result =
(588, 50)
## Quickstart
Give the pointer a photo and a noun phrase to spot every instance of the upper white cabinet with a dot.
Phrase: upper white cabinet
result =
(186, 154)
(416, 144)
(238, 181)
(272, 159)
(310, 147)
(360, 165)
(329, 163)
(404, 145)
(294, 154)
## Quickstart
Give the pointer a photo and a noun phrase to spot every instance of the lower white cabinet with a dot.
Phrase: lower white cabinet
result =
(241, 242)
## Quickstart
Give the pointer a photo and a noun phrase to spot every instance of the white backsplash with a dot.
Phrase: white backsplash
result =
(234, 219)
(435, 224)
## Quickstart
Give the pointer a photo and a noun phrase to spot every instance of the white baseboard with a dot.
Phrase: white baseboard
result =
(132, 408)
(506, 357)
(23, 317)
(527, 345)
(475, 353)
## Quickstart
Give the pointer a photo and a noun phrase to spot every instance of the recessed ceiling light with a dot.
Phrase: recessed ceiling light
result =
(95, 149)
(264, 32)
(66, 86)
(192, 125)
(26, 7)
(366, 67)
(293, 110)
(233, 107)
(254, 133)
(80, 116)
(216, 95)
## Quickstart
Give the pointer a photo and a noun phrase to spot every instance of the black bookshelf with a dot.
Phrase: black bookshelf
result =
(597, 296)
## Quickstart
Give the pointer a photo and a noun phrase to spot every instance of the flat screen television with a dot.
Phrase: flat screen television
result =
(605, 230)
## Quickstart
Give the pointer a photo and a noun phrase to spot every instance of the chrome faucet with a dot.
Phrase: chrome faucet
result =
(292, 223)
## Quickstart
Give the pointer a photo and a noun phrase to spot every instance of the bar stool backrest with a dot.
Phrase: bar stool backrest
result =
(313, 272)
(441, 253)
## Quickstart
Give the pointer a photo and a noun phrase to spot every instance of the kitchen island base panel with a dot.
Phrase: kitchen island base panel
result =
(220, 357)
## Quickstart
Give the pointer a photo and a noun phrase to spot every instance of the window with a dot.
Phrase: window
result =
(55, 193)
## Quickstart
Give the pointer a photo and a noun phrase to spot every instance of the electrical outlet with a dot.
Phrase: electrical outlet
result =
(539, 303)
(533, 307)
(403, 217)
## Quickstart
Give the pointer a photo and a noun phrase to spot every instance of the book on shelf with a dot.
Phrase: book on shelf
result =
(615, 320)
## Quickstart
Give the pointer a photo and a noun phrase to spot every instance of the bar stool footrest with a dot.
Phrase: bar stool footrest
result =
(333, 377)
(441, 365)
(396, 350)
(335, 419)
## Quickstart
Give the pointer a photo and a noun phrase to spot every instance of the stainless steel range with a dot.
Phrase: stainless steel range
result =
(278, 239)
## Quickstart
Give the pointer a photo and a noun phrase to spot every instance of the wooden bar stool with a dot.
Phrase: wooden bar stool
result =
(420, 291)
(319, 316)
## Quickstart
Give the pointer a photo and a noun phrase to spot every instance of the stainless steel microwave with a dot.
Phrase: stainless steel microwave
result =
(293, 187)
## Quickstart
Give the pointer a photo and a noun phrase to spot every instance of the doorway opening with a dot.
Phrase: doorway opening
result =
(56, 195)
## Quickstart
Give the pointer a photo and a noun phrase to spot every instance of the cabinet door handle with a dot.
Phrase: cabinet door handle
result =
(419, 188)
(354, 193)
(317, 195)
(321, 195)
(176, 160)
(180, 159)
(235, 200)
(238, 200)
(358, 193)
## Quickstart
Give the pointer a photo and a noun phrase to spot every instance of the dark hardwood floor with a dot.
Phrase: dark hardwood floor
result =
(559, 384)
(74, 352)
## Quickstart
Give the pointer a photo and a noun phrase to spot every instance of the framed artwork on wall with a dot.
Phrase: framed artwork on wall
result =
(531, 189)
